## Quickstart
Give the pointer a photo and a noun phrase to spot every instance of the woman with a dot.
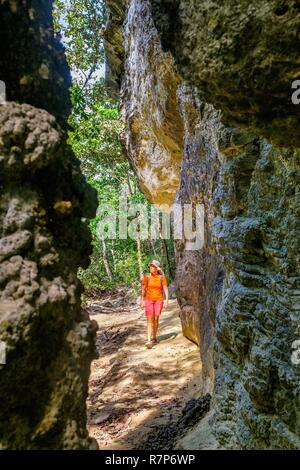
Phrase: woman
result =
(153, 286)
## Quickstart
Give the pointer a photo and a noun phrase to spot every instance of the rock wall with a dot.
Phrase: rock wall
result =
(257, 385)
(198, 272)
(240, 58)
(33, 65)
(43, 202)
(154, 130)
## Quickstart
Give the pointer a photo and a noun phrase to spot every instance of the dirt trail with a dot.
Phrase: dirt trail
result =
(134, 392)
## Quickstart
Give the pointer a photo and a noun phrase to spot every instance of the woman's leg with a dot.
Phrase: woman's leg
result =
(150, 319)
(157, 312)
(155, 325)
(149, 311)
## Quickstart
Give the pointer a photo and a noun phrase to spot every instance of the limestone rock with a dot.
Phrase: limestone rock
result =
(153, 128)
(198, 273)
(49, 341)
(200, 437)
(243, 58)
(114, 44)
(257, 384)
(32, 61)
(43, 240)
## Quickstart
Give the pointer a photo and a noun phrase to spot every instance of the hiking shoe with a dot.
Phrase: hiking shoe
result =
(149, 345)
(154, 341)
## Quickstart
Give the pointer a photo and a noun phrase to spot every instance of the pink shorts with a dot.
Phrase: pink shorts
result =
(153, 307)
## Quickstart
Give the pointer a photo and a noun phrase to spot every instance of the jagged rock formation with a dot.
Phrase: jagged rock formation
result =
(114, 45)
(257, 385)
(198, 273)
(40, 76)
(154, 133)
(231, 57)
(43, 200)
(242, 56)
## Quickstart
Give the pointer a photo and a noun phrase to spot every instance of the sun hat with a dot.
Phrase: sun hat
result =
(155, 263)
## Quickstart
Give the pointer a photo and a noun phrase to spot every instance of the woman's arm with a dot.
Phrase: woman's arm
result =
(166, 291)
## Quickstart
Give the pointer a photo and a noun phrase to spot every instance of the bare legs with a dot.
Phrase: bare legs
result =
(149, 327)
(152, 326)
(155, 326)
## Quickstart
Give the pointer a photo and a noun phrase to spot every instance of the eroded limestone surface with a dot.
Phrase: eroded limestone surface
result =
(44, 205)
(242, 56)
(153, 128)
(49, 340)
(199, 274)
(256, 229)
(32, 60)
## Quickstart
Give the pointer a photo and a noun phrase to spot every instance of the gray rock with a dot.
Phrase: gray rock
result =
(153, 128)
(49, 339)
(241, 56)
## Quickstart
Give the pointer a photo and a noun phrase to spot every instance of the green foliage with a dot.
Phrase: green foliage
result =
(95, 128)
(81, 25)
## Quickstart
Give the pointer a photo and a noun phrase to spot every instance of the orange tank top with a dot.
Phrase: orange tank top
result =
(154, 288)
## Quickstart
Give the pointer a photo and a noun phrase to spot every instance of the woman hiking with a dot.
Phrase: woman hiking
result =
(154, 285)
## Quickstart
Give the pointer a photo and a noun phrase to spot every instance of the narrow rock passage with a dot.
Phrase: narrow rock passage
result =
(135, 393)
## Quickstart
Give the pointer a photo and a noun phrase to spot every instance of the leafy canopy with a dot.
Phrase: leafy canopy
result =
(95, 128)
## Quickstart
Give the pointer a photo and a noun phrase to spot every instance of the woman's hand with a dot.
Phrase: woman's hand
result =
(166, 302)
(142, 304)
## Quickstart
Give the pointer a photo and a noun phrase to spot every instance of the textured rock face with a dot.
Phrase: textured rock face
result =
(257, 235)
(40, 76)
(43, 198)
(198, 274)
(114, 44)
(240, 57)
(243, 57)
(154, 129)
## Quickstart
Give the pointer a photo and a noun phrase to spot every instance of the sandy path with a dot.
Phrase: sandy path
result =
(134, 391)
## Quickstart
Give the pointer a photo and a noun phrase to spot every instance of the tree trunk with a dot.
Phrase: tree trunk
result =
(139, 253)
(153, 247)
(164, 250)
(138, 239)
(129, 185)
(105, 261)
(113, 255)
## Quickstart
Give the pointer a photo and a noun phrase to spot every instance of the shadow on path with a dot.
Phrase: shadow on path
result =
(136, 393)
